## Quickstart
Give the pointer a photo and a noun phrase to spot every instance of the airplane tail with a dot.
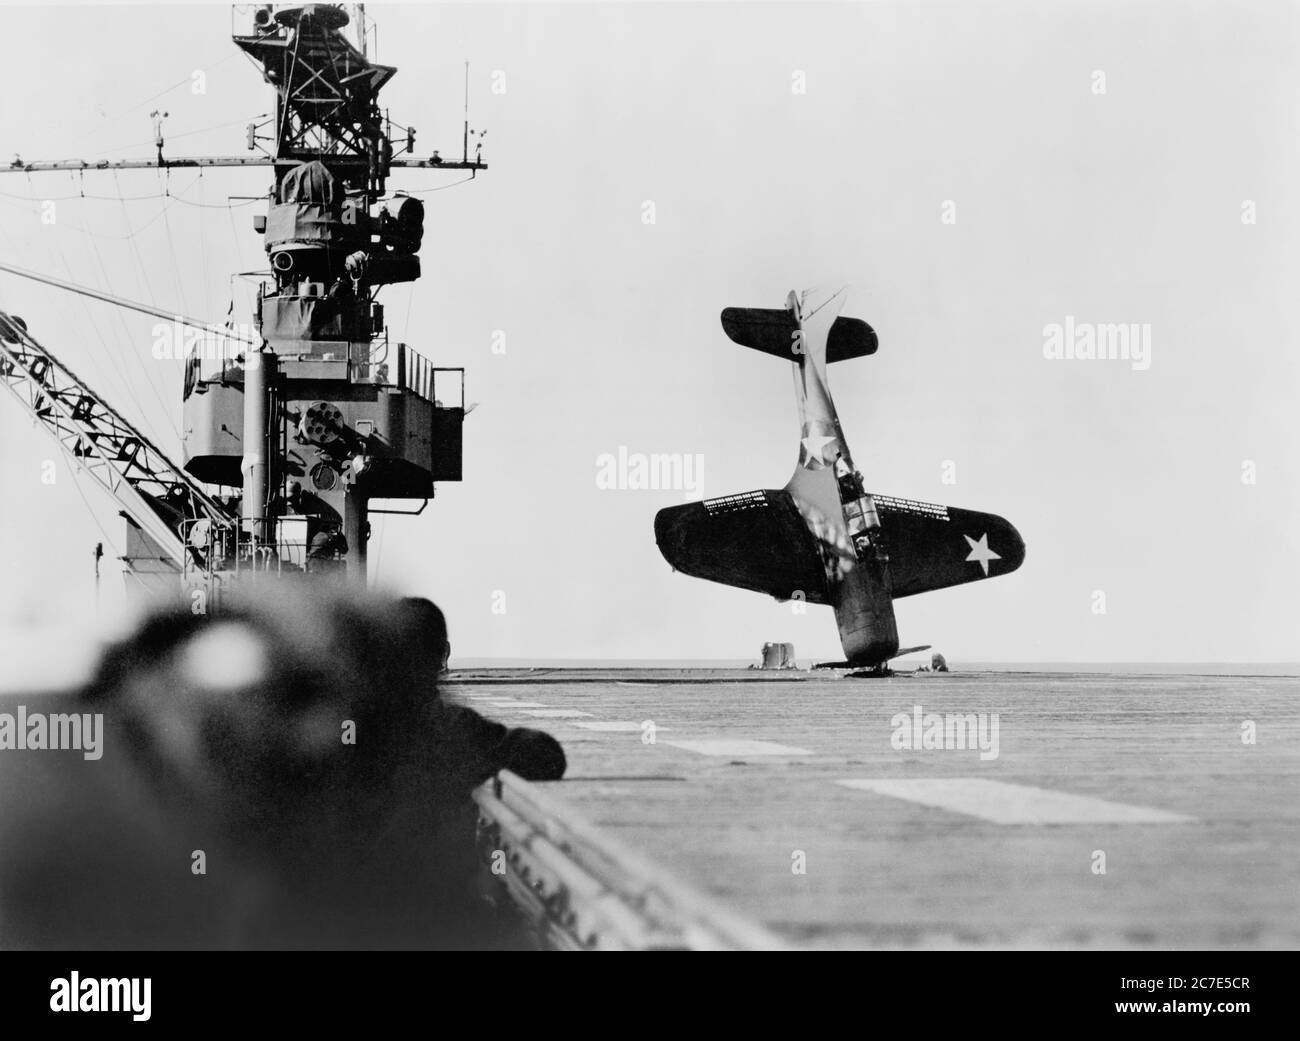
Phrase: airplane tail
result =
(827, 489)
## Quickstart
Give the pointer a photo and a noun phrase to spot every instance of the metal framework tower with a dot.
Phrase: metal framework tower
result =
(320, 413)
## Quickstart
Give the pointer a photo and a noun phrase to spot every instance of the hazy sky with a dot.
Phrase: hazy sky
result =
(1117, 207)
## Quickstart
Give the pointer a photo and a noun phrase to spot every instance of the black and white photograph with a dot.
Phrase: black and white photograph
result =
(628, 476)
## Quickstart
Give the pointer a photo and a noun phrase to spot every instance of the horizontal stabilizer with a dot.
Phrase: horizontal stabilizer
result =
(852, 665)
(771, 330)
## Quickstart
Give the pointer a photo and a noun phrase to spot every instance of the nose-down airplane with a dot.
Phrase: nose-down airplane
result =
(822, 538)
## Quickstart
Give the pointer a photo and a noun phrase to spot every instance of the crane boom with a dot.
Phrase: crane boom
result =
(152, 490)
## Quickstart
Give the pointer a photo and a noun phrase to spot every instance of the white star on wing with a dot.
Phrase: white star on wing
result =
(980, 552)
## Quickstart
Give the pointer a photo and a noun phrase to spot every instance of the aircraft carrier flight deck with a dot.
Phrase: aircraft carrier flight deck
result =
(1102, 811)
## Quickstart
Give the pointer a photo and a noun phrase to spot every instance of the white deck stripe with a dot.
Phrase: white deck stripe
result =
(616, 727)
(555, 713)
(1004, 803)
(512, 703)
(737, 746)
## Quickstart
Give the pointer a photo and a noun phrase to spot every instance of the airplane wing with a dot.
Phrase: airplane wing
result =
(760, 541)
(754, 540)
(933, 546)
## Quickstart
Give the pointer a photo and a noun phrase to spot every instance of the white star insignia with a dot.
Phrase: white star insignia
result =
(980, 552)
(816, 436)
(815, 444)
